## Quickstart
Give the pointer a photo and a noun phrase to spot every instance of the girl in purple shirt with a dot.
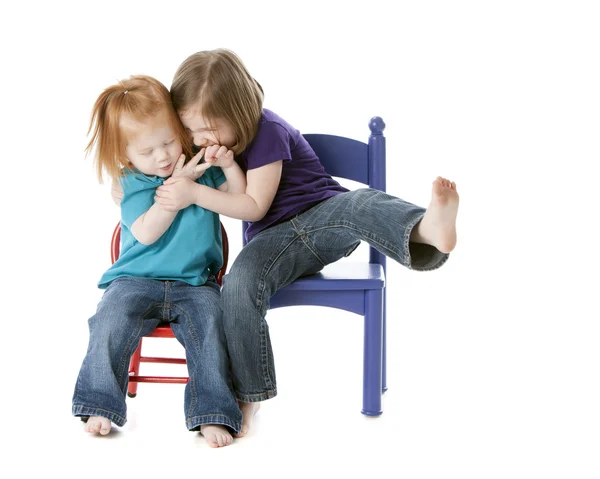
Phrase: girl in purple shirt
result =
(288, 191)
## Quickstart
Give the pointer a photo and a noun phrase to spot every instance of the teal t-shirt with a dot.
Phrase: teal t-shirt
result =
(190, 250)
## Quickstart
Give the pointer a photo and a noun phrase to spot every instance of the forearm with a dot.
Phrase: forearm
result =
(152, 224)
(236, 179)
(235, 205)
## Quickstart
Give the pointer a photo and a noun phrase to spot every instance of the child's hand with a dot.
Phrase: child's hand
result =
(192, 169)
(176, 193)
(219, 156)
(116, 192)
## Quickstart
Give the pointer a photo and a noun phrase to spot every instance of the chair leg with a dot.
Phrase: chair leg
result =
(384, 348)
(373, 354)
(134, 370)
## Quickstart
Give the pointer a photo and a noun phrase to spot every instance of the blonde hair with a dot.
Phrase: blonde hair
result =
(217, 83)
(140, 98)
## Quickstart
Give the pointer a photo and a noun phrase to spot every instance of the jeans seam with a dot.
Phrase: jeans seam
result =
(407, 232)
(376, 239)
(303, 235)
(260, 300)
(267, 269)
(128, 351)
(189, 326)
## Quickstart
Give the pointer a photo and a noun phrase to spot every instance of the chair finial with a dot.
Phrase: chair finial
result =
(376, 125)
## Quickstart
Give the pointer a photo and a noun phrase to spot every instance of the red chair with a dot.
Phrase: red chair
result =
(162, 331)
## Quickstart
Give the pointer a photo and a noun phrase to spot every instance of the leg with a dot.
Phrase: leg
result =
(372, 369)
(274, 258)
(385, 222)
(384, 348)
(115, 331)
(196, 320)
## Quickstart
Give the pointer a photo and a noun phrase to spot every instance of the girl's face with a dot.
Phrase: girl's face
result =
(203, 135)
(153, 147)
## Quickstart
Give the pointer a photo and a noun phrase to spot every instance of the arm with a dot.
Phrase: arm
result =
(155, 221)
(251, 205)
(116, 192)
(152, 224)
(235, 179)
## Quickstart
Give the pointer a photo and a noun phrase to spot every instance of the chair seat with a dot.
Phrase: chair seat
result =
(342, 276)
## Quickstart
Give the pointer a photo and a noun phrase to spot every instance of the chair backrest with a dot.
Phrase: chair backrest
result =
(115, 249)
(354, 160)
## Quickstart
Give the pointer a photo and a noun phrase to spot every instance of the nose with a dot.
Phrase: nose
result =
(199, 140)
(162, 156)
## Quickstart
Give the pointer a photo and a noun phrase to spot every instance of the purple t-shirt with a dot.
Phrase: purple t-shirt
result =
(303, 183)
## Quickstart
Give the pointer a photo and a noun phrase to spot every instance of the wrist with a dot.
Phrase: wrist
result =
(197, 193)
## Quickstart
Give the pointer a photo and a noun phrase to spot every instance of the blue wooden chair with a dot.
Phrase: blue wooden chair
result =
(359, 288)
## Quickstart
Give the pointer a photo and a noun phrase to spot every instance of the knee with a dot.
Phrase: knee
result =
(237, 285)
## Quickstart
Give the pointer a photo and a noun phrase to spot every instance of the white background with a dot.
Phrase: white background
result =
(493, 359)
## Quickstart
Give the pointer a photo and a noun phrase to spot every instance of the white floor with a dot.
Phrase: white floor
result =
(476, 389)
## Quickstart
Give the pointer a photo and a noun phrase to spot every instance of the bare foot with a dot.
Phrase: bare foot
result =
(97, 424)
(438, 226)
(216, 435)
(249, 409)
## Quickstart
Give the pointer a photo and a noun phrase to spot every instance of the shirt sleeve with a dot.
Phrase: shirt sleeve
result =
(213, 177)
(138, 197)
(272, 143)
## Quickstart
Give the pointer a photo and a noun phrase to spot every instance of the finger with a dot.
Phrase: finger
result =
(202, 167)
(211, 151)
(221, 152)
(180, 161)
(197, 157)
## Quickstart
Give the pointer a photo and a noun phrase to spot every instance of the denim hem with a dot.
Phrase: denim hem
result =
(433, 262)
(407, 261)
(196, 421)
(80, 410)
(271, 393)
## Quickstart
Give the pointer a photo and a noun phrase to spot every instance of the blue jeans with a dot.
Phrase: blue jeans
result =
(131, 308)
(303, 245)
